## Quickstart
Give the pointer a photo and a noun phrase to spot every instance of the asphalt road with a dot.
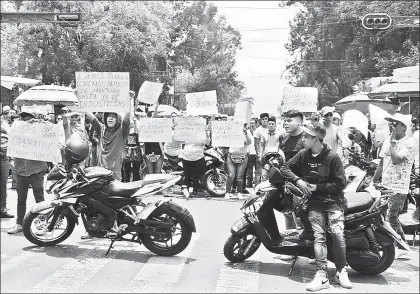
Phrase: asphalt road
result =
(80, 265)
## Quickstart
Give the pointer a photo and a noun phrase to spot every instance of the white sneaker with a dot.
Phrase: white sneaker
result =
(401, 254)
(228, 196)
(16, 229)
(240, 196)
(319, 282)
(343, 279)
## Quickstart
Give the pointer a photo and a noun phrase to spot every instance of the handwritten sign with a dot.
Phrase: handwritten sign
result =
(149, 92)
(227, 133)
(243, 111)
(202, 103)
(34, 141)
(191, 129)
(103, 91)
(154, 129)
(304, 99)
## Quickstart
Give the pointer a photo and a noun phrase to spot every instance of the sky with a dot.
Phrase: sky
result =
(262, 76)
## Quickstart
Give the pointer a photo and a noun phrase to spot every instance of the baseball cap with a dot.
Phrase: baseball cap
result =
(402, 118)
(327, 109)
(336, 115)
(315, 129)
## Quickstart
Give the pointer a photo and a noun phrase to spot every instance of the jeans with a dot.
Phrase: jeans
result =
(154, 167)
(249, 172)
(131, 167)
(4, 175)
(258, 170)
(22, 186)
(235, 171)
(14, 176)
(193, 173)
(94, 156)
(395, 206)
(335, 220)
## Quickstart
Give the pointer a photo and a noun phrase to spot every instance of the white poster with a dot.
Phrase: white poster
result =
(103, 91)
(154, 129)
(191, 129)
(356, 119)
(34, 141)
(304, 99)
(202, 103)
(227, 133)
(149, 92)
(243, 111)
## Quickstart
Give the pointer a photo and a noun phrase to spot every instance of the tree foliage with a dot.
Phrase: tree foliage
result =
(332, 30)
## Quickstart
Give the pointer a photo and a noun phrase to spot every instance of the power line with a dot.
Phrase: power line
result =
(286, 28)
(307, 60)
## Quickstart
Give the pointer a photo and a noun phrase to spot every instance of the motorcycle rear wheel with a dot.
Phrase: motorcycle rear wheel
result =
(215, 189)
(186, 233)
(235, 246)
(33, 238)
(387, 258)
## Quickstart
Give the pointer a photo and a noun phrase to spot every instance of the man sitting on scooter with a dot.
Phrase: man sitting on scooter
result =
(326, 201)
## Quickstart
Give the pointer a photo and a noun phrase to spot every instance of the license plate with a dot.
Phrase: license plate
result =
(239, 225)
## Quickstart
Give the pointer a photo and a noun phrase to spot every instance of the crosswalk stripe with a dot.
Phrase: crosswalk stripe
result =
(240, 277)
(160, 273)
(76, 273)
(18, 259)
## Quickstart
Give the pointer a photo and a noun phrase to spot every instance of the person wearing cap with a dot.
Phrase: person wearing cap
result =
(29, 172)
(336, 119)
(326, 201)
(4, 170)
(259, 133)
(397, 158)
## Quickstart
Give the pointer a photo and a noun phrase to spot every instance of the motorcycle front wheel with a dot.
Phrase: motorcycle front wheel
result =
(180, 235)
(34, 228)
(234, 249)
(215, 184)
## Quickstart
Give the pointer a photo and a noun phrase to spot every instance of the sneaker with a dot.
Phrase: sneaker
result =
(16, 229)
(401, 254)
(5, 214)
(240, 197)
(86, 236)
(228, 196)
(343, 279)
(319, 282)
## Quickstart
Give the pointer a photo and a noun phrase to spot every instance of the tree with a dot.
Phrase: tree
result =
(205, 46)
(331, 30)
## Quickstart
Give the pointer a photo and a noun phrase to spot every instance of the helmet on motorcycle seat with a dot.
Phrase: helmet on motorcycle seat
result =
(76, 149)
(273, 155)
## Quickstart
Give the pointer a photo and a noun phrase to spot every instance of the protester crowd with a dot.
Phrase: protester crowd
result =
(115, 144)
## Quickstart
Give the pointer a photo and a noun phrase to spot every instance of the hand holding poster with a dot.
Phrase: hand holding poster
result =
(149, 92)
(304, 99)
(202, 103)
(191, 129)
(227, 133)
(34, 141)
(154, 129)
(243, 111)
(103, 91)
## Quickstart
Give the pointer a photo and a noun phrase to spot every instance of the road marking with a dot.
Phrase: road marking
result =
(160, 273)
(76, 273)
(19, 259)
(240, 277)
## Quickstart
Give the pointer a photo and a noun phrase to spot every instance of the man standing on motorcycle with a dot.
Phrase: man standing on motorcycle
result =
(326, 201)
(397, 158)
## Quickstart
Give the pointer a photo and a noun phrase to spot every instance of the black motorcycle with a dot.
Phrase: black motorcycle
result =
(370, 239)
(164, 227)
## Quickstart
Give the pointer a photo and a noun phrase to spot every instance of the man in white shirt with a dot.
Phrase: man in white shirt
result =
(259, 133)
(252, 156)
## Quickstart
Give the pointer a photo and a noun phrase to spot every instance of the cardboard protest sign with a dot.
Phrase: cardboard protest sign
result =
(227, 133)
(103, 91)
(154, 129)
(191, 129)
(34, 141)
(149, 92)
(356, 119)
(202, 103)
(243, 111)
(304, 99)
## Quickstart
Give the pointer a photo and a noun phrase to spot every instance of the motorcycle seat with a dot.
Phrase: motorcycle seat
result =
(357, 202)
(117, 188)
(96, 172)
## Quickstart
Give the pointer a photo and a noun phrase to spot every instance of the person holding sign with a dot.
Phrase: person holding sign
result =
(111, 139)
(237, 161)
(153, 152)
(29, 172)
(4, 171)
